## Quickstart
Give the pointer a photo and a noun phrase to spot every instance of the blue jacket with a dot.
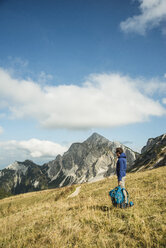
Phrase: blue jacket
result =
(121, 166)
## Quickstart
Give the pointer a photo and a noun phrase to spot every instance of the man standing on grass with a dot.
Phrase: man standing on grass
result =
(121, 171)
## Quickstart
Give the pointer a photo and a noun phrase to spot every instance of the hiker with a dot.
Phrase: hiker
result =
(121, 170)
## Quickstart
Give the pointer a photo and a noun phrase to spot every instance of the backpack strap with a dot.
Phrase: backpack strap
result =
(126, 192)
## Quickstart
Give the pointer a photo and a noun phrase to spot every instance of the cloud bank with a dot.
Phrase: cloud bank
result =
(104, 100)
(38, 150)
(153, 12)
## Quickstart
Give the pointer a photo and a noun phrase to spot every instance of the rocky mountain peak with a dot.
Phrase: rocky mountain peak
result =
(96, 138)
(20, 165)
(153, 142)
(17, 167)
(152, 155)
(28, 162)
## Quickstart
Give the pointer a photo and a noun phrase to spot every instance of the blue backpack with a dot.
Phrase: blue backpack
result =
(118, 198)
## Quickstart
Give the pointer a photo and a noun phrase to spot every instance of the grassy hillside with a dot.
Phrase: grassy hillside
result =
(48, 219)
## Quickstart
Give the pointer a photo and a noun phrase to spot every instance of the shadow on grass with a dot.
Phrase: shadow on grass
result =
(101, 207)
(94, 207)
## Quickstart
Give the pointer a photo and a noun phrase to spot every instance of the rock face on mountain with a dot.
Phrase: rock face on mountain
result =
(152, 155)
(89, 161)
(21, 177)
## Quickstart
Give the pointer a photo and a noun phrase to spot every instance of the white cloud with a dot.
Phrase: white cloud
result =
(153, 86)
(1, 130)
(38, 150)
(41, 148)
(164, 100)
(153, 12)
(104, 100)
(44, 77)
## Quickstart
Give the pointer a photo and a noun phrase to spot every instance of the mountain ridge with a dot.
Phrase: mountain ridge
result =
(153, 154)
(90, 160)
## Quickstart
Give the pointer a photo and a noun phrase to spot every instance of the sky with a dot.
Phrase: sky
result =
(71, 68)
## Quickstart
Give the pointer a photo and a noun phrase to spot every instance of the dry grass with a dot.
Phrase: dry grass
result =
(48, 219)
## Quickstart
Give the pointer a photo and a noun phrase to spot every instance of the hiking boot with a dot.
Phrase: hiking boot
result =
(127, 205)
(124, 205)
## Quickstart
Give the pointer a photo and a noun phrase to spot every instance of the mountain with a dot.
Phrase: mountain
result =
(152, 155)
(21, 177)
(89, 161)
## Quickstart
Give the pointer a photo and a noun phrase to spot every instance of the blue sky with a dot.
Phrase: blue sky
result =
(71, 68)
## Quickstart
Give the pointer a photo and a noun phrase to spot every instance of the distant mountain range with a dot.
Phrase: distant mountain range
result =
(89, 161)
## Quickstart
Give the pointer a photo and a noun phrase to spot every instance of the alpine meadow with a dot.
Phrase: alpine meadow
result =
(50, 218)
